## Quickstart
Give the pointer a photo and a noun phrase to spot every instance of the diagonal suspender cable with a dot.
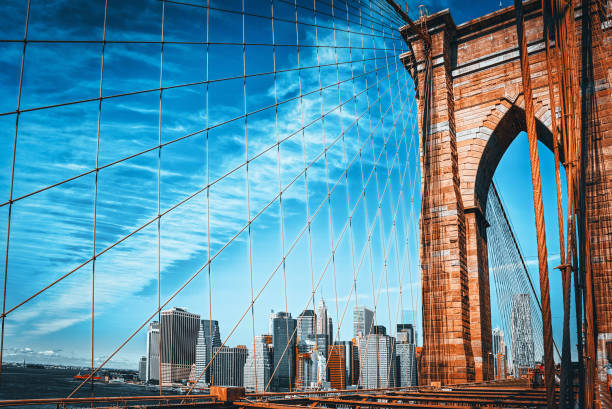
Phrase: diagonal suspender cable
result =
(330, 259)
(180, 203)
(321, 205)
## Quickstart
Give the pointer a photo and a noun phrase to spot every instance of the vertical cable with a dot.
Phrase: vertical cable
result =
(280, 186)
(248, 190)
(95, 215)
(538, 206)
(159, 148)
(10, 209)
(210, 333)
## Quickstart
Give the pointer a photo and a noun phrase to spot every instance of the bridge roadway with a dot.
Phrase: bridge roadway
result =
(491, 395)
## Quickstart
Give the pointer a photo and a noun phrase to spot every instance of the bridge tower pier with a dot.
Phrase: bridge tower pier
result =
(475, 108)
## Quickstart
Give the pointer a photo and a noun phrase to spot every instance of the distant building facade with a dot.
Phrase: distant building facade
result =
(152, 370)
(348, 361)
(259, 364)
(406, 356)
(377, 361)
(306, 325)
(522, 334)
(336, 364)
(142, 368)
(499, 354)
(178, 331)
(209, 338)
(284, 339)
(406, 364)
(363, 320)
(228, 366)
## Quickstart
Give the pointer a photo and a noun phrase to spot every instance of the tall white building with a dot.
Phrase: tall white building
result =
(499, 354)
(228, 366)
(406, 364)
(522, 334)
(152, 369)
(363, 321)
(377, 361)
(259, 364)
(208, 339)
(179, 332)
(322, 322)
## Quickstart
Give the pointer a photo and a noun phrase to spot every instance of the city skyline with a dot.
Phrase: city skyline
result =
(43, 331)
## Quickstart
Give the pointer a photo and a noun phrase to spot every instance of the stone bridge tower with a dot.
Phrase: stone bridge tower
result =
(475, 112)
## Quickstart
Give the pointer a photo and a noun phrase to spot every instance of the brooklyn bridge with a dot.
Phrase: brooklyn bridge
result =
(293, 204)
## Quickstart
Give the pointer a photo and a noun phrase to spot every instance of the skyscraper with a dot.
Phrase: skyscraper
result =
(363, 319)
(349, 360)
(306, 325)
(406, 364)
(228, 366)
(179, 332)
(283, 336)
(405, 333)
(208, 339)
(522, 334)
(306, 369)
(322, 323)
(406, 355)
(330, 331)
(336, 364)
(142, 368)
(377, 361)
(259, 364)
(152, 371)
(499, 354)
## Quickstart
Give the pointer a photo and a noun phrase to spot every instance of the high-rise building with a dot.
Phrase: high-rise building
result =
(259, 364)
(142, 368)
(363, 319)
(179, 333)
(306, 369)
(322, 323)
(330, 331)
(321, 342)
(406, 364)
(336, 364)
(349, 360)
(209, 338)
(306, 325)
(152, 372)
(522, 334)
(284, 339)
(228, 366)
(377, 361)
(499, 354)
(406, 355)
(380, 330)
(354, 377)
(405, 333)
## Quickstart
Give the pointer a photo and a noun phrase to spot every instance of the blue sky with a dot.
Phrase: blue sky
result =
(366, 160)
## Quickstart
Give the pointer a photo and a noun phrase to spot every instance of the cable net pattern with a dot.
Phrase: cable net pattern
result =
(519, 311)
(228, 157)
